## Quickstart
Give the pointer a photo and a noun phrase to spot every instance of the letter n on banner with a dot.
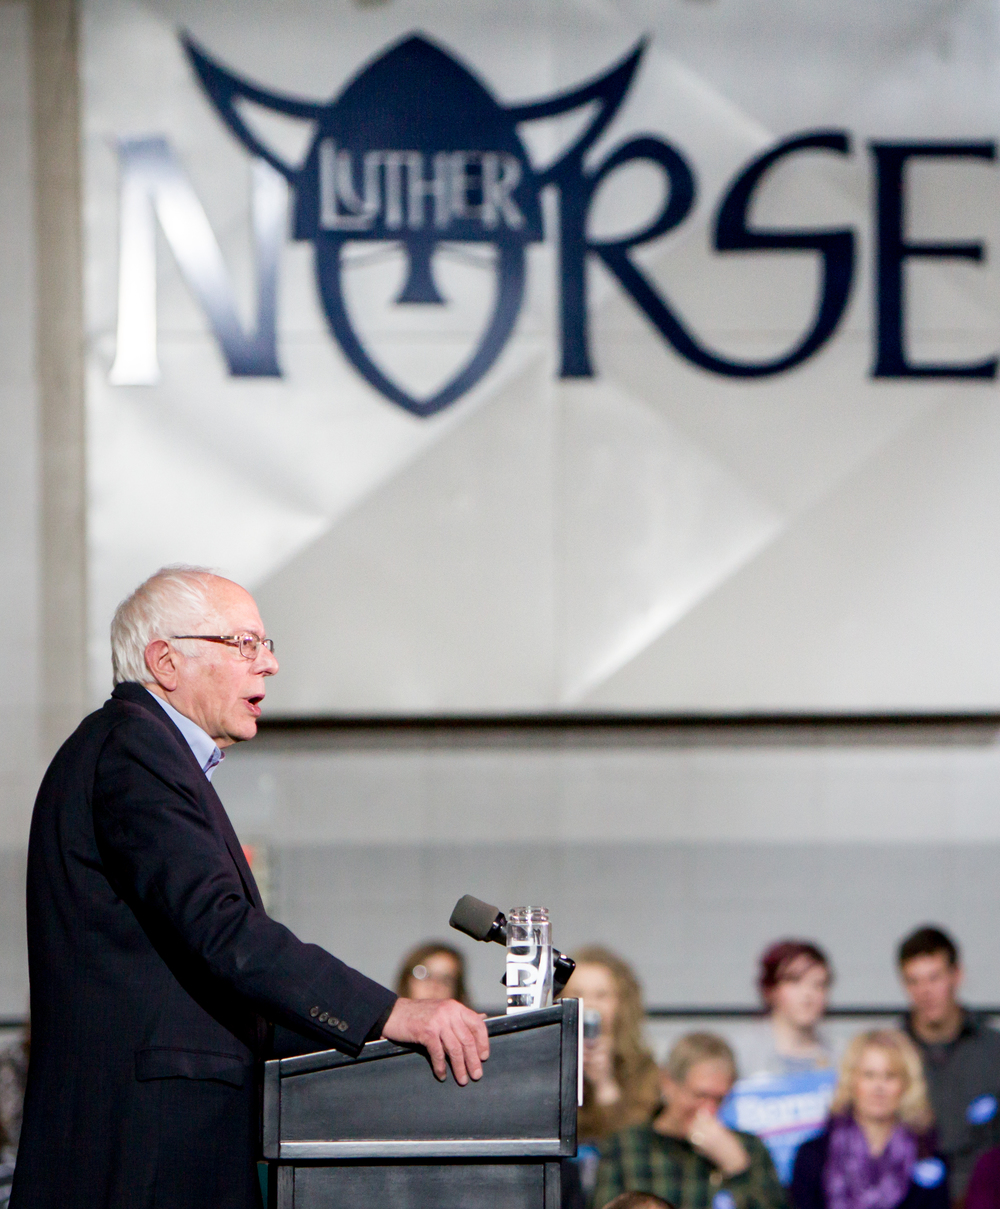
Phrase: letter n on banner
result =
(155, 187)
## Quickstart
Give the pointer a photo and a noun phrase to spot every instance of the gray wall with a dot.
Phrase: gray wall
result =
(19, 493)
(42, 582)
(686, 850)
(19, 471)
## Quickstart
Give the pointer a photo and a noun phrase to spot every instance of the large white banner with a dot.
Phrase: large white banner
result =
(555, 356)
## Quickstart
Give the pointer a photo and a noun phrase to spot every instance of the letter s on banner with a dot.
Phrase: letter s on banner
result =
(154, 186)
(734, 234)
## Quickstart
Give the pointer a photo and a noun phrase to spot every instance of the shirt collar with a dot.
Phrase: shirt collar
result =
(971, 1024)
(202, 745)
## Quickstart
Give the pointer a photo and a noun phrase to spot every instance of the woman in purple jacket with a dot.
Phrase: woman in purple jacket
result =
(877, 1151)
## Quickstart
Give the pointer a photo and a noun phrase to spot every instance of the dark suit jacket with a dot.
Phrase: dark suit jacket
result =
(154, 974)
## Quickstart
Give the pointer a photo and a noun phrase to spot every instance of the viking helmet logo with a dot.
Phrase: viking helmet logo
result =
(416, 150)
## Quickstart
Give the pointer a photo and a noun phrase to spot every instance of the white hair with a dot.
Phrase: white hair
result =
(175, 600)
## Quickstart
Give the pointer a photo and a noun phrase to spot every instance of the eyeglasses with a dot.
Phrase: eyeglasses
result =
(249, 644)
(422, 974)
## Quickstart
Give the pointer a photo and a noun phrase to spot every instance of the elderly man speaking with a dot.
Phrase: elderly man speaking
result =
(157, 979)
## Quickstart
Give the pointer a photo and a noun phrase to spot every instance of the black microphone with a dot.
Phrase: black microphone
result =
(479, 920)
(484, 922)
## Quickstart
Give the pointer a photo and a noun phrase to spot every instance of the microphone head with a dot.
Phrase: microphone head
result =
(478, 919)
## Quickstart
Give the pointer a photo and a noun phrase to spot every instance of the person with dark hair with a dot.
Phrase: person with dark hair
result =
(878, 1151)
(638, 1200)
(789, 1069)
(926, 942)
(433, 970)
(960, 1052)
(794, 983)
(686, 1155)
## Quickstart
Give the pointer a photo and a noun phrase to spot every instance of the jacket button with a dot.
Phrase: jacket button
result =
(343, 1026)
(333, 1022)
(322, 1017)
(314, 1011)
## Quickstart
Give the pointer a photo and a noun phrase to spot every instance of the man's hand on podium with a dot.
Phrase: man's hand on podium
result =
(444, 1027)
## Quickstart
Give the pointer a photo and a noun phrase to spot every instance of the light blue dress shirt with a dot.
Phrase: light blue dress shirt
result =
(202, 745)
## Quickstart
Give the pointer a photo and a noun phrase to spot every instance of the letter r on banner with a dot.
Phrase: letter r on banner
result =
(155, 187)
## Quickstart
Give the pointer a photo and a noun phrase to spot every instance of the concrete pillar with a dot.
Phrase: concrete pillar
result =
(60, 344)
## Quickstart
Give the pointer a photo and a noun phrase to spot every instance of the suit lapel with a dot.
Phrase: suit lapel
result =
(213, 803)
(218, 812)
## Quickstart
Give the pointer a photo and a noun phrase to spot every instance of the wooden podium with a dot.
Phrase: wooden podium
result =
(380, 1132)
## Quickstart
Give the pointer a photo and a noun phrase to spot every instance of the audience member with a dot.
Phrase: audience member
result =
(432, 970)
(877, 1151)
(13, 1076)
(961, 1053)
(983, 1191)
(620, 1079)
(638, 1200)
(790, 1076)
(794, 984)
(686, 1155)
(621, 1085)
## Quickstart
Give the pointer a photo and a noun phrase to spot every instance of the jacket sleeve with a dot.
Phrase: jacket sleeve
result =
(610, 1173)
(806, 1188)
(758, 1187)
(168, 862)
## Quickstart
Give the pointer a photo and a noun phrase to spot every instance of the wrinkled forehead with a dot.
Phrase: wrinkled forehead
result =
(234, 608)
(709, 1076)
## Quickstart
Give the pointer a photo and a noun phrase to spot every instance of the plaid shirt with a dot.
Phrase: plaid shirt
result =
(643, 1160)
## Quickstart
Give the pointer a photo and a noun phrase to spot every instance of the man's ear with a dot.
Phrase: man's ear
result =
(161, 659)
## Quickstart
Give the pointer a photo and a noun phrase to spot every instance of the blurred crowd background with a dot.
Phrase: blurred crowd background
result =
(781, 1110)
(787, 1109)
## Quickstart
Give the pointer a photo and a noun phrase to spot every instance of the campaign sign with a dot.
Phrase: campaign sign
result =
(782, 1110)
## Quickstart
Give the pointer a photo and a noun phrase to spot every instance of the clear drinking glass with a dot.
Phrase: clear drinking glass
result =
(529, 959)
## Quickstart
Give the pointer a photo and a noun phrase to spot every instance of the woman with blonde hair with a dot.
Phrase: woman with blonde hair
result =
(620, 1079)
(878, 1150)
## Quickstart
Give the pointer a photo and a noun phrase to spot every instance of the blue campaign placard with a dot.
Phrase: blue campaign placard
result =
(782, 1110)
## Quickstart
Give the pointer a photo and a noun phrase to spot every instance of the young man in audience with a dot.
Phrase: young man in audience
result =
(685, 1154)
(960, 1051)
